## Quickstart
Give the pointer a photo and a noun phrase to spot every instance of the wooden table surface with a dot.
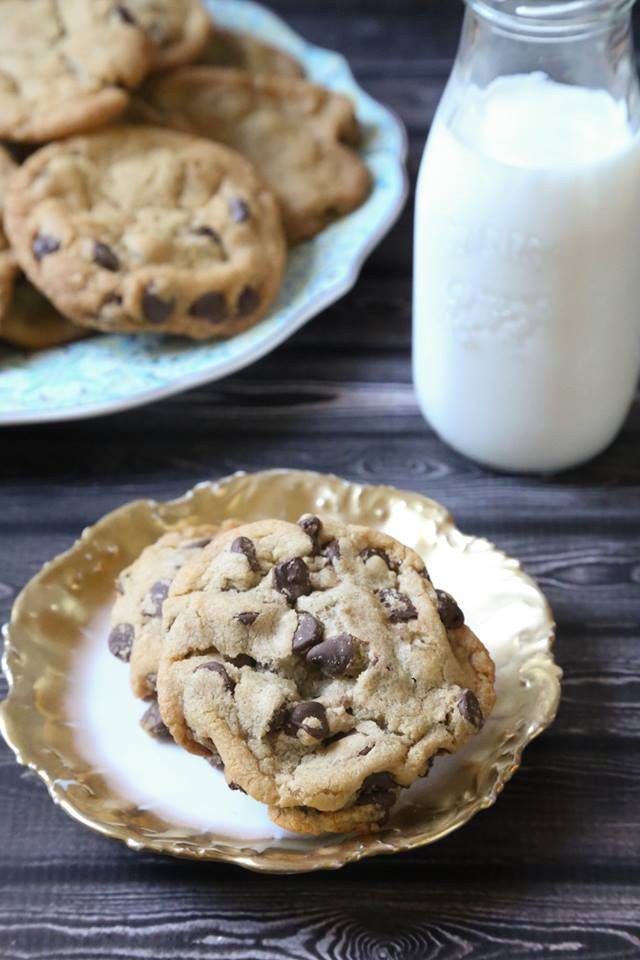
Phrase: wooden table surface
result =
(553, 870)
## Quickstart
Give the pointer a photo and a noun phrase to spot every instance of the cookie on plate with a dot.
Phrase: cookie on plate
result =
(320, 663)
(7, 259)
(66, 65)
(136, 616)
(299, 137)
(32, 323)
(135, 228)
(178, 29)
(241, 51)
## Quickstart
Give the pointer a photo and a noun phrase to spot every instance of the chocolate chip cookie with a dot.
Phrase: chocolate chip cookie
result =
(299, 137)
(241, 51)
(66, 65)
(135, 228)
(178, 29)
(32, 323)
(136, 617)
(7, 260)
(322, 665)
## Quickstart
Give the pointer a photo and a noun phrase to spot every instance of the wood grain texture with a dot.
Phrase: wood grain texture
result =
(553, 870)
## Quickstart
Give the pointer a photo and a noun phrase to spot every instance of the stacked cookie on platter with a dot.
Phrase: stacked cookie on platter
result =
(166, 193)
(313, 661)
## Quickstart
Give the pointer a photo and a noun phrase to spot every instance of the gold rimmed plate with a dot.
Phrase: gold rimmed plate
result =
(70, 715)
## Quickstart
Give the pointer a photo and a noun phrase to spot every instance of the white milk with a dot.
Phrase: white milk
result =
(527, 273)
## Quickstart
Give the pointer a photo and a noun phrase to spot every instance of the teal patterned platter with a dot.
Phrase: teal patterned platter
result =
(113, 372)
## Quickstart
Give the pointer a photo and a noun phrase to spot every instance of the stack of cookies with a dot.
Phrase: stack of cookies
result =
(313, 662)
(167, 193)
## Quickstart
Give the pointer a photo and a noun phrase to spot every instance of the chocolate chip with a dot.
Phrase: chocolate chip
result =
(400, 607)
(450, 613)
(43, 244)
(153, 724)
(378, 788)
(311, 526)
(198, 544)
(104, 256)
(248, 302)
(334, 655)
(243, 660)
(238, 209)
(279, 719)
(216, 667)
(125, 15)
(308, 632)
(365, 750)
(207, 232)
(157, 595)
(369, 552)
(235, 786)
(246, 546)
(211, 307)
(155, 309)
(292, 579)
(470, 708)
(121, 641)
(247, 618)
(339, 736)
(331, 550)
(299, 718)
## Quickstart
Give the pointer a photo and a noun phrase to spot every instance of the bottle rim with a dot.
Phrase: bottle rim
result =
(551, 16)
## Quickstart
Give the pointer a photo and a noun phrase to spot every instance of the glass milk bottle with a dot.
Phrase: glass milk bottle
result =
(526, 310)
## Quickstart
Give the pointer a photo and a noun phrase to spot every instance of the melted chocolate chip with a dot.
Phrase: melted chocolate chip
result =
(292, 579)
(216, 667)
(155, 309)
(308, 633)
(246, 546)
(125, 15)
(121, 641)
(238, 209)
(400, 607)
(211, 307)
(365, 750)
(331, 550)
(470, 709)
(334, 655)
(43, 244)
(153, 724)
(104, 256)
(300, 717)
(279, 719)
(378, 788)
(198, 544)
(157, 595)
(248, 302)
(207, 232)
(311, 526)
(247, 618)
(450, 613)
(235, 786)
(243, 660)
(369, 552)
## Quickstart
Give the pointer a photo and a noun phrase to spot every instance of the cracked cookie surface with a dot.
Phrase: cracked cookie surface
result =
(135, 228)
(314, 658)
(299, 137)
(66, 65)
(177, 29)
(234, 50)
